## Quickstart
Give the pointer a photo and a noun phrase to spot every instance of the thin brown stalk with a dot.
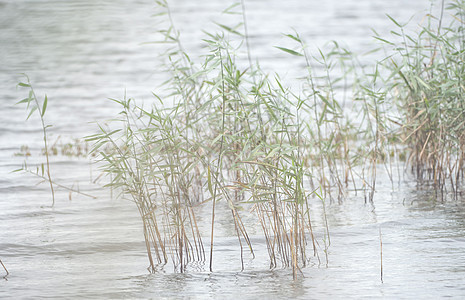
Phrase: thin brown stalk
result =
(381, 255)
(7, 273)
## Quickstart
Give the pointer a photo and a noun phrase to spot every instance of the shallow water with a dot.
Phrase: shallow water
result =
(82, 52)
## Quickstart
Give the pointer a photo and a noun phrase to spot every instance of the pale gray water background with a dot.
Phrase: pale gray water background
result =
(82, 52)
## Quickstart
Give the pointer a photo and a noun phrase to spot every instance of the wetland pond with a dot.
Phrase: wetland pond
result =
(80, 53)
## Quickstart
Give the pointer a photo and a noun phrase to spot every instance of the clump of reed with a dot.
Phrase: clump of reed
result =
(221, 131)
(426, 82)
(221, 134)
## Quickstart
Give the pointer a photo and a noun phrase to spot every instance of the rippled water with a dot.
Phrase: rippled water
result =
(82, 52)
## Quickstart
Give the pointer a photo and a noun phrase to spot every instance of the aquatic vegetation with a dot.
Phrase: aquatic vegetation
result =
(426, 82)
(224, 131)
(70, 148)
(223, 134)
(43, 170)
(24, 151)
(228, 133)
(32, 105)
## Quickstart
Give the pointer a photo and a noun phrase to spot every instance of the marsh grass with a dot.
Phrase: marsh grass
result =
(426, 82)
(222, 131)
(224, 134)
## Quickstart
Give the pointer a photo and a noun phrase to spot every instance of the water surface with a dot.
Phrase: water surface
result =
(82, 52)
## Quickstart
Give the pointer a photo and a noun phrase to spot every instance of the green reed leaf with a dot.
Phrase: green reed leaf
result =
(292, 52)
(24, 84)
(33, 109)
(44, 106)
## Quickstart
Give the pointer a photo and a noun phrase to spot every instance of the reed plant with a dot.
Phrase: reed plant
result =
(221, 134)
(32, 105)
(42, 170)
(222, 131)
(426, 82)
